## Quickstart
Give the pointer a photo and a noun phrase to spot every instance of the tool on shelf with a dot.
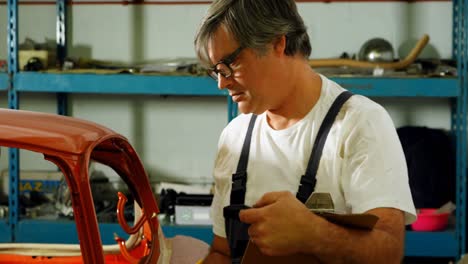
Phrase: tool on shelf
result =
(366, 64)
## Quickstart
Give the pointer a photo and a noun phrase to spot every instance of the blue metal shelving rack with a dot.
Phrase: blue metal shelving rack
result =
(437, 244)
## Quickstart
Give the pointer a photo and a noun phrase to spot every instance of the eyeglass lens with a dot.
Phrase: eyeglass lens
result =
(222, 69)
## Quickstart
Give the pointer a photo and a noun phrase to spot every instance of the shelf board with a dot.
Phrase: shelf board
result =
(205, 86)
(417, 244)
(204, 233)
(434, 244)
(46, 231)
(5, 233)
(3, 81)
(117, 84)
(401, 87)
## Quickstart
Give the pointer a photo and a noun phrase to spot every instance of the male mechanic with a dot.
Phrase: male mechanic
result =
(258, 50)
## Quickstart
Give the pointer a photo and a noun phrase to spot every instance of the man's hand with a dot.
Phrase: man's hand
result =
(277, 222)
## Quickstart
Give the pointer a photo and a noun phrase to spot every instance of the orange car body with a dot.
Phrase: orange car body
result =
(71, 143)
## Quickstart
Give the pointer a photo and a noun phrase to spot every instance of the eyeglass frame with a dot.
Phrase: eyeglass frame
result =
(213, 72)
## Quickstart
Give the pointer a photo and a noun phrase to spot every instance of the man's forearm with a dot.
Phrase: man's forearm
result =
(216, 257)
(345, 245)
(342, 245)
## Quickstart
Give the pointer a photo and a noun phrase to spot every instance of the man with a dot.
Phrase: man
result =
(258, 51)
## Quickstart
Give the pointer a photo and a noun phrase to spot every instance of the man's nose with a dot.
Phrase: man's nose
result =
(224, 82)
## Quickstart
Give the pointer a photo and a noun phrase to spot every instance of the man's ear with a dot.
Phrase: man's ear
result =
(279, 45)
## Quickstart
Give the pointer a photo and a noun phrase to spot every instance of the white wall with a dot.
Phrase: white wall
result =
(137, 33)
(177, 136)
(435, 19)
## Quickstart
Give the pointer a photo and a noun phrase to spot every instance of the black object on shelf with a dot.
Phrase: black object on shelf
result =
(430, 158)
(194, 199)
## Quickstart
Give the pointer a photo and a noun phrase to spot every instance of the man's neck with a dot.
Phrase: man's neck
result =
(303, 96)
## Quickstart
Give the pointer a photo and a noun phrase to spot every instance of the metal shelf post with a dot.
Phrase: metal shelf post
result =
(459, 118)
(13, 103)
(62, 98)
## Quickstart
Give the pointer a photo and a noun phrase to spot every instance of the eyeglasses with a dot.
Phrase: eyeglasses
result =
(222, 67)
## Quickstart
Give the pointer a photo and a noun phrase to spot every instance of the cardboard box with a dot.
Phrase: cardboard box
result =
(193, 209)
(45, 182)
(46, 57)
(192, 215)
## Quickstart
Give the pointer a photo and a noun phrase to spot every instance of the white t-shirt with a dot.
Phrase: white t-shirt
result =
(362, 166)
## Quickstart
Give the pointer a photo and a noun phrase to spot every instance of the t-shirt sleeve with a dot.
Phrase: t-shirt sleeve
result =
(375, 172)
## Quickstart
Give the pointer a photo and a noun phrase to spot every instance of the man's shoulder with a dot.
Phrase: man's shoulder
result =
(358, 109)
(357, 101)
(356, 106)
(365, 107)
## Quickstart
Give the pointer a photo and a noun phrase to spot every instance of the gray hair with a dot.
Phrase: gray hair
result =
(255, 24)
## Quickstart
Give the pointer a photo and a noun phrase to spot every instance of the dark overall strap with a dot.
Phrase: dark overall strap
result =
(309, 180)
(239, 179)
